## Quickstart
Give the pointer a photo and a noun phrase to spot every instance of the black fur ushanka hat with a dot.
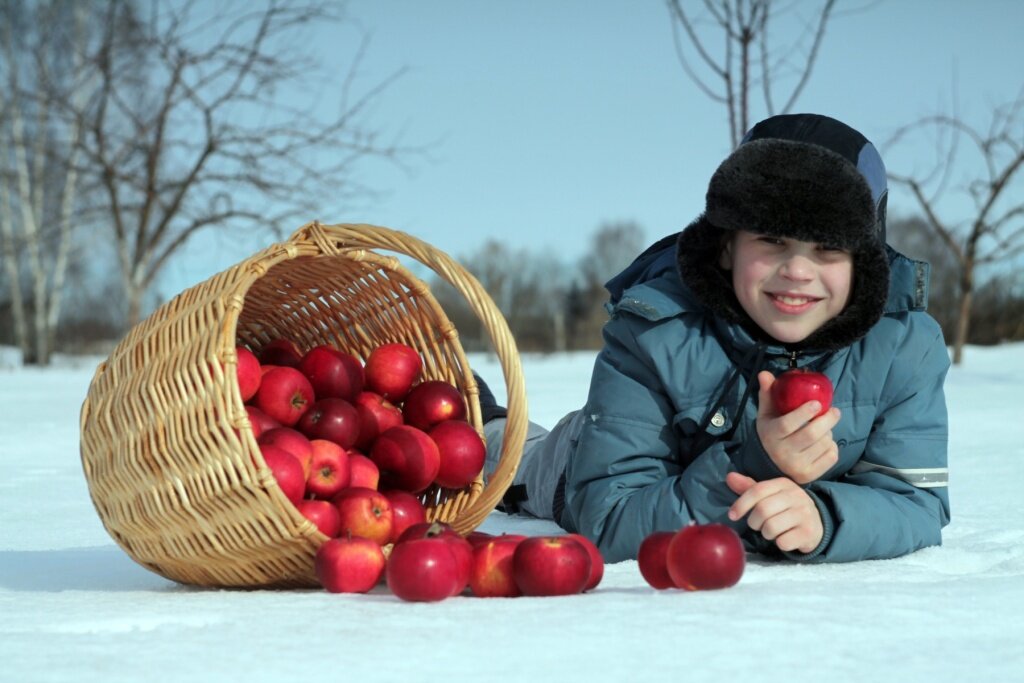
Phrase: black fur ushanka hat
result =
(806, 177)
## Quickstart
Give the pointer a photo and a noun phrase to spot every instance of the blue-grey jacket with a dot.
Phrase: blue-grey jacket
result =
(634, 468)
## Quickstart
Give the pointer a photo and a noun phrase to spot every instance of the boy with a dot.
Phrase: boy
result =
(787, 267)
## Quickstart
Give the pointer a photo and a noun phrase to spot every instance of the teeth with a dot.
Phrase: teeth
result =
(792, 300)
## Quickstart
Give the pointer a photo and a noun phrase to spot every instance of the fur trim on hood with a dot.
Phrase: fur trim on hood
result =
(802, 177)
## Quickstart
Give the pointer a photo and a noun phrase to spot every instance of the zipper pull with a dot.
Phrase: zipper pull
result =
(792, 360)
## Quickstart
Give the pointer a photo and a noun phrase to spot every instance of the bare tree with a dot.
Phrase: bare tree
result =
(190, 129)
(753, 59)
(613, 246)
(45, 84)
(994, 230)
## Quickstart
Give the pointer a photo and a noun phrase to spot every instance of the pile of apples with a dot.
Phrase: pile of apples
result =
(431, 562)
(696, 557)
(353, 446)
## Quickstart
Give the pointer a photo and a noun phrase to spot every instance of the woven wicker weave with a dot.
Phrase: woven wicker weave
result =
(168, 452)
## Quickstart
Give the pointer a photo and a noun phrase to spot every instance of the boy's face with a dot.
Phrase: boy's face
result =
(789, 288)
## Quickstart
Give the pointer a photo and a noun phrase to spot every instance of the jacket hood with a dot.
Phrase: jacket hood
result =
(805, 177)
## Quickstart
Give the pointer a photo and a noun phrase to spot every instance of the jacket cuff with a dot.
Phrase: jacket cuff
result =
(828, 529)
(755, 462)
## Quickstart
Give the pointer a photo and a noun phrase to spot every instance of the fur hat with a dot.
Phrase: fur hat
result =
(807, 177)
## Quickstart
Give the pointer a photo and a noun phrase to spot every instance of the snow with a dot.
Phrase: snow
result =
(73, 606)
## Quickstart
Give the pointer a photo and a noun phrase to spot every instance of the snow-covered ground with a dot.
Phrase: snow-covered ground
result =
(73, 607)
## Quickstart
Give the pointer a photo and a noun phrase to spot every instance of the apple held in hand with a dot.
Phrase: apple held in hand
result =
(551, 565)
(796, 387)
(392, 369)
(653, 559)
(462, 453)
(285, 395)
(349, 565)
(366, 513)
(333, 373)
(334, 419)
(408, 458)
(432, 402)
(705, 556)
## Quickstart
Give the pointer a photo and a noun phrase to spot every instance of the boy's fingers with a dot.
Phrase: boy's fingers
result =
(765, 380)
(739, 483)
(751, 497)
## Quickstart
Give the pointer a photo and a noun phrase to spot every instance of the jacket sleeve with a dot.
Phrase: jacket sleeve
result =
(624, 478)
(895, 498)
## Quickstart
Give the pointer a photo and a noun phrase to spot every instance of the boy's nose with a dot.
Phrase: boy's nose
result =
(797, 267)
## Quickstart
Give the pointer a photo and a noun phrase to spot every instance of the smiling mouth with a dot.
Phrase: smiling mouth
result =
(792, 304)
(791, 300)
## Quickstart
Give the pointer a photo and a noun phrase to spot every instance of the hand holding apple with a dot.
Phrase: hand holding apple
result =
(799, 443)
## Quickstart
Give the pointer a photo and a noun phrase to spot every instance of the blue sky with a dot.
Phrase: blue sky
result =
(552, 117)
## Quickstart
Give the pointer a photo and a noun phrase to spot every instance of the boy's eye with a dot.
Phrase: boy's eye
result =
(768, 239)
(832, 248)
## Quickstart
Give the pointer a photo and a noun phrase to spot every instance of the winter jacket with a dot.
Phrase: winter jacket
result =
(669, 414)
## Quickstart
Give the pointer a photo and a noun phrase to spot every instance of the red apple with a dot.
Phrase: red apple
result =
(248, 372)
(323, 514)
(260, 421)
(551, 565)
(596, 560)
(406, 509)
(796, 387)
(329, 473)
(282, 352)
(652, 558)
(362, 471)
(334, 419)
(349, 565)
(476, 538)
(333, 373)
(429, 403)
(392, 369)
(462, 453)
(408, 458)
(423, 570)
(292, 441)
(492, 574)
(286, 470)
(461, 548)
(366, 513)
(376, 415)
(705, 556)
(285, 395)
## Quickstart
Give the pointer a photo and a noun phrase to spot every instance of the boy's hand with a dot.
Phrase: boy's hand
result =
(798, 443)
(781, 510)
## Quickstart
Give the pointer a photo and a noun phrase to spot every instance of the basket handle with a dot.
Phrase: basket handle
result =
(363, 236)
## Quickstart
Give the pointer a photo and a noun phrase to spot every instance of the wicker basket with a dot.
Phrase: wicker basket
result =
(168, 452)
